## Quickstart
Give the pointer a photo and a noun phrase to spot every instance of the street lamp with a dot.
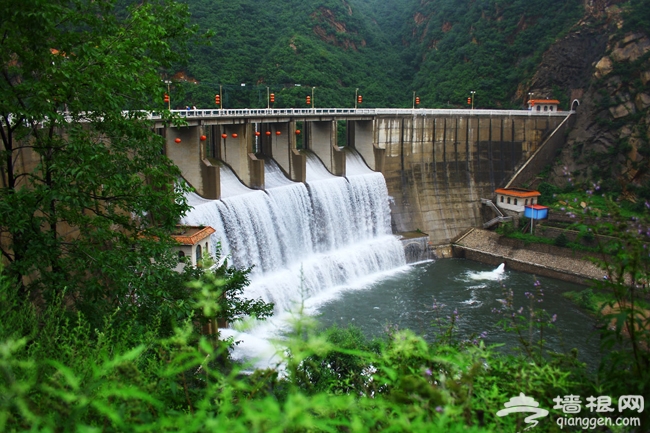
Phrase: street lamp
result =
(313, 104)
(530, 97)
(472, 92)
(356, 97)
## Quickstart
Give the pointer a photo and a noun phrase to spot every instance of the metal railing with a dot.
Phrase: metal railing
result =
(343, 112)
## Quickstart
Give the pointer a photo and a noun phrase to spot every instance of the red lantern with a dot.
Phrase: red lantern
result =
(166, 97)
(278, 132)
(224, 136)
(272, 96)
(297, 131)
(469, 101)
(257, 133)
(178, 140)
(203, 138)
(308, 100)
(234, 136)
(417, 100)
(217, 99)
(359, 99)
(268, 132)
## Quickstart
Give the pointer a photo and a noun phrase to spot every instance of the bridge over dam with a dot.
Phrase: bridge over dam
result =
(438, 164)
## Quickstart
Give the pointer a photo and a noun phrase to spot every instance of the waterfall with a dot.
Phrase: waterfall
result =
(303, 239)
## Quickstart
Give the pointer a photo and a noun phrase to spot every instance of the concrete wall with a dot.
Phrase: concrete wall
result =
(437, 168)
(543, 155)
(191, 157)
(321, 140)
(238, 153)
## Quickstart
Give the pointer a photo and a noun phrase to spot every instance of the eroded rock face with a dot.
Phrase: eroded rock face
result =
(614, 111)
(603, 67)
(642, 101)
(631, 48)
(569, 62)
(622, 110)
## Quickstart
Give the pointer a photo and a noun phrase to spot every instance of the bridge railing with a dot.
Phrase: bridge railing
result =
(344, 112)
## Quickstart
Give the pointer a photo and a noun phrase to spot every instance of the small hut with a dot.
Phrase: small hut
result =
(193, 242)
(516, 199)
(540, 105)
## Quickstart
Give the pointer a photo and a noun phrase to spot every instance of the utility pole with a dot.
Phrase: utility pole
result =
(472, 92)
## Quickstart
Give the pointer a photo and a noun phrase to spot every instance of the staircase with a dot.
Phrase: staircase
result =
(500, 216)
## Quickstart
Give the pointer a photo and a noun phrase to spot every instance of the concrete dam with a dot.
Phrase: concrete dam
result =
(437, 164)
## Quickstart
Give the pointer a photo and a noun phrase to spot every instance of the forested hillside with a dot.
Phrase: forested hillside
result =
(440, 49)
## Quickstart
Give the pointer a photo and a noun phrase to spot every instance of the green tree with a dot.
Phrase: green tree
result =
(87, 199)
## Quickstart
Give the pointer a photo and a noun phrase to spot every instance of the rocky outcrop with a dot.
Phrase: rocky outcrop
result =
(568, 64)
(333, 31)
(610, 140)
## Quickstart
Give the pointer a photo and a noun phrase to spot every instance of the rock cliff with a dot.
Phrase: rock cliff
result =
(606, 68)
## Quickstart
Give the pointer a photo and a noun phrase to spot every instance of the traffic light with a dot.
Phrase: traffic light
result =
(417, 100)
(308, 99)
(469, 101)
(217, 99)
(166, 97)
(359, 99)
(272, 96)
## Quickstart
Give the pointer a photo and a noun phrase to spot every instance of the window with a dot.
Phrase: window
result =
(550, 108)
(515, 202)
(501, 199)
(508, 200)
(199, 254)
(539, 107)
(526, 202)
(545, 107)
(181, 254)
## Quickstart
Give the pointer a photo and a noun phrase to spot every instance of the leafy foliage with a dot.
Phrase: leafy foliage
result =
(388, 49)
(87, 199)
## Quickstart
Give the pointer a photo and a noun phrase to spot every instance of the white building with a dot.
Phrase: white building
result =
(516, 199)
(543, 105)
(193, 242)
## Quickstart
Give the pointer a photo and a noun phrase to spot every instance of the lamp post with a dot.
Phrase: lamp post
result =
(530, 97)
(169, 102)
(268, 100)
(313, 103)
(356, 97)
(472, 92)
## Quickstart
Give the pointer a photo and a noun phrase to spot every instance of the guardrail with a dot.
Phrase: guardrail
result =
(343, 112)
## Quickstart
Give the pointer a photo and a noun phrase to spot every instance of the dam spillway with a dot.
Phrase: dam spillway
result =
(303, 239)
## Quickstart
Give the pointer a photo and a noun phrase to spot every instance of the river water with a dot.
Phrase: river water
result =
(406, 300)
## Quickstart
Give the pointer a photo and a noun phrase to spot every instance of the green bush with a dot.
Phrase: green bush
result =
(560, 240)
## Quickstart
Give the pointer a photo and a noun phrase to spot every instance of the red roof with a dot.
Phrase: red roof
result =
(191, 235)
(537, 206)
(518, 192)
(543, 101)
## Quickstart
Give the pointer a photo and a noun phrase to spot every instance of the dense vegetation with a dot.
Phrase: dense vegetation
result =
(440, 49)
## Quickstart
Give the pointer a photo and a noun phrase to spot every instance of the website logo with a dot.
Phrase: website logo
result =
(522, 403)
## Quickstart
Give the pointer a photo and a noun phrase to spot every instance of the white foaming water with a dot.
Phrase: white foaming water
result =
(306, 242)
(495, 275)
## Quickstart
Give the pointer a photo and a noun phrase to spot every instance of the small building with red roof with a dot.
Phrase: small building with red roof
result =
(543, 105)
(516, 199)
(193, 242)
